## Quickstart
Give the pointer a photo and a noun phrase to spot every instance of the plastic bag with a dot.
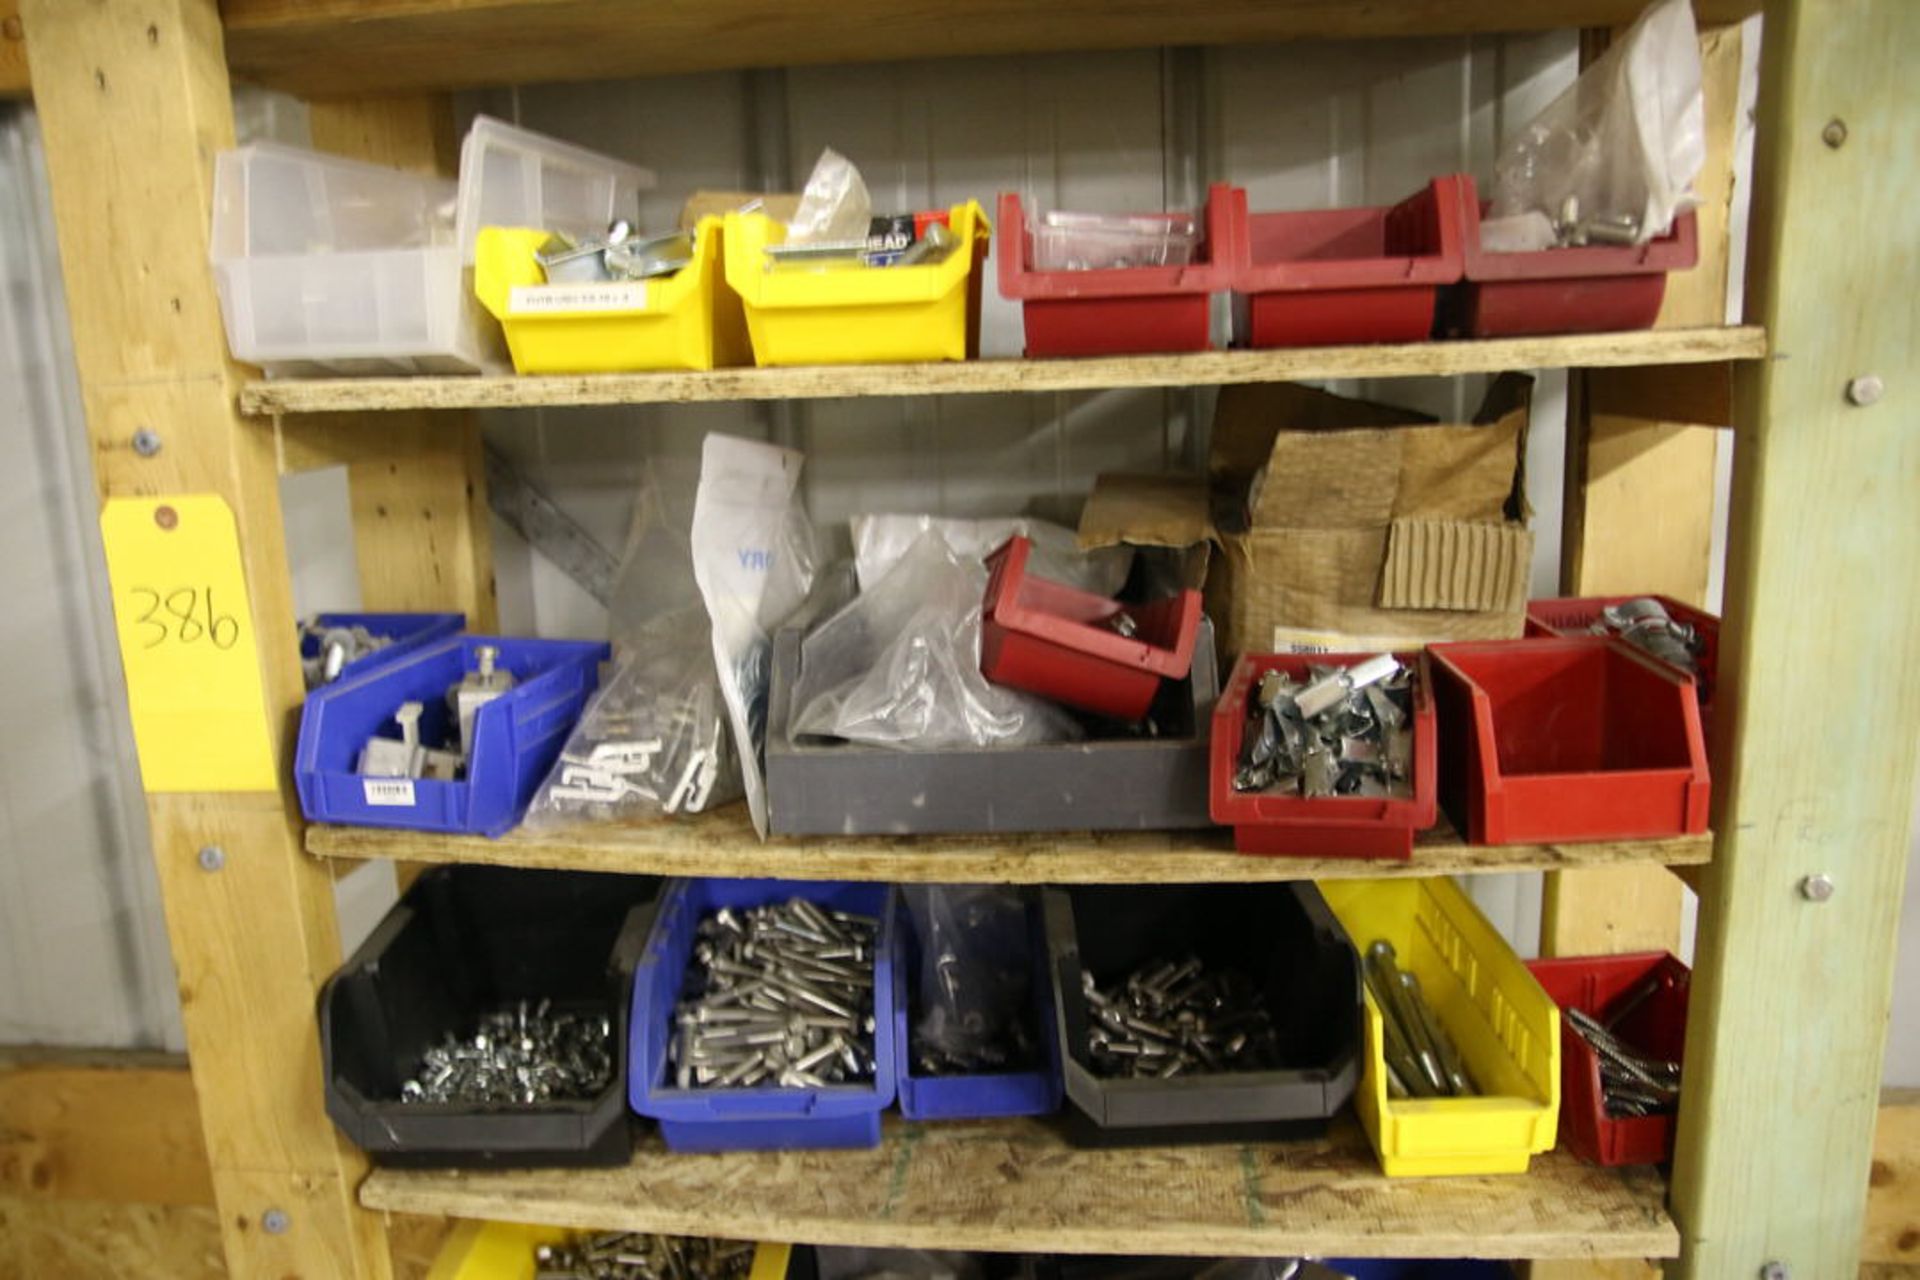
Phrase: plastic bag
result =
(1617, 151)
(753, 558)
(900, 665)
(976, 979)
(835, 204)
(880, 540)
(654, 738)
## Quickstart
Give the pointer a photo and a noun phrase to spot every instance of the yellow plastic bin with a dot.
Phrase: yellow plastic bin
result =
(689, 320)
(504, 1251)
(1504, 1025)
(859, 315)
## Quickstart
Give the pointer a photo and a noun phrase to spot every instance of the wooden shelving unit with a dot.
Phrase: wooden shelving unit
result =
(722, 843)
(1017, 1186)
(985, 377)
(1813, 772)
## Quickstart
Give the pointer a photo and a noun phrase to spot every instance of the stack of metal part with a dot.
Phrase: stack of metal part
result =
(1165, 1020)
(519, 1055)
(1573, 229)
(1422, 1061)
(1631, 1083)
(935, 243)
(780, 994)
(617, 255)
(1645, 624)
(1346, 732)
(1012, 1049)
(338, 646)
(410, 757)
(631, 1255)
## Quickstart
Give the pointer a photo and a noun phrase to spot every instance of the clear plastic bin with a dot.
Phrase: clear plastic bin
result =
(326, 265)
(1109, 241)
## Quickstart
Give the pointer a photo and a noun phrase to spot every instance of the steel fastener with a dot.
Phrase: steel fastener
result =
(146, 442)
(211, 857)
(1866, 389)
(1817, 887)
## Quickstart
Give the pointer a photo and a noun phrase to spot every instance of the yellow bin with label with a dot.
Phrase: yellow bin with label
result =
(504, 1251)
(689, 320)
(1503, 1023)
(846, 314)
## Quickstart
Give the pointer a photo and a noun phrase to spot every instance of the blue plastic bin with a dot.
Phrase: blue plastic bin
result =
(407, 631)
(516, 737)
(762, 1118)
(1422, 1269)
(1007, 1093)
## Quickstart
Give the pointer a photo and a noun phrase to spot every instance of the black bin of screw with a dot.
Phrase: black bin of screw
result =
(466, 943)
(1296, 964)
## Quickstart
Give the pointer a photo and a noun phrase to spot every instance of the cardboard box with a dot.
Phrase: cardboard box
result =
(1331, 523)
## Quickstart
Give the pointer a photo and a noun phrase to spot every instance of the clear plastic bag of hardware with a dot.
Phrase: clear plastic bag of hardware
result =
(653, 740)
(975, 994)
(899, 666)
(834, 205)
(880, 540)
(1619, 150)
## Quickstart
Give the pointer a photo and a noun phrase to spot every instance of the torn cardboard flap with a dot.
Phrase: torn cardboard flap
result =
(1152, 511)
(1456, 564)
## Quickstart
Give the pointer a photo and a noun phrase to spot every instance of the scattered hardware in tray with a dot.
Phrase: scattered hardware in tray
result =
(1167, 1019)
(632, 1255)
(1632, 1083)
(409, 757)
(618, 255)
(780, 994)
(1347, 732)
(523, 1054)
(338, 647)
(1422, 1061)
(1644, 623)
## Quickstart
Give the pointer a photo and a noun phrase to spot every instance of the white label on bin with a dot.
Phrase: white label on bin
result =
(1304, 640)
(612, 295)
(390, 792)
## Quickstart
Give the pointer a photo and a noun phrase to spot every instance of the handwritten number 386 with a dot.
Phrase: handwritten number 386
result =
(185, 615)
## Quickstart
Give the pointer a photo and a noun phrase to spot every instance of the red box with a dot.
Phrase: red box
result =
(1656, 1026)
(1325, 276)
(1576, 738)
(1119, 311)
(1593, 289)
(1576, 616)
(1047, 638)
(1336, 827)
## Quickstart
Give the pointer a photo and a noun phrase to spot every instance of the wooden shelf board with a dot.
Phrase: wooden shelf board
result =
(977, 377)
(1015, 1185)
(320, 48)
(722, 843)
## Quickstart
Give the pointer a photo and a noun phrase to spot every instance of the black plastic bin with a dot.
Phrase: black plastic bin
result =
(463, 942)
(1280, 935)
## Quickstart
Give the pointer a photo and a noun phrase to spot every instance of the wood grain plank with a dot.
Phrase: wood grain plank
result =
(14, 80)
(342, 47)
(722, 843)
(119, 1127)
(979, 377)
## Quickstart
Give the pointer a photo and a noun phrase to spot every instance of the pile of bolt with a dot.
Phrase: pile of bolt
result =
(519, 1055)
(1645, 624)
(779, 994)
(337, 646)
(630, 1255)
(1347, 732)
(1632, 1084)
(617, 255)
(975, 1049)
(1421, 1059)
(1572, 229)
(1166, 1020)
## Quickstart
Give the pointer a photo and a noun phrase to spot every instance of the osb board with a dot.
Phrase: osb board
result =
(1203, 368)
(102, 1240)
(722, 843)
(1892, 1233)
(1016, 1185)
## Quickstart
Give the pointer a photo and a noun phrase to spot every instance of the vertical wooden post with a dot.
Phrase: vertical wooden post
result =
(1639, 518)
(1820, 659)
(134, 103)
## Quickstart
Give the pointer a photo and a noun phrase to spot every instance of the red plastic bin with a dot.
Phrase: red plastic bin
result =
(1047, 638)
(1325, 276)
(1657, 1025)
(1592, 289)
(1576, 738)
(1334, 827)
(1576, 616)
(1119, 311)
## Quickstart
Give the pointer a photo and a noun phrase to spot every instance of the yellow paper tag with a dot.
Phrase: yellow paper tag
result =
(187, 643)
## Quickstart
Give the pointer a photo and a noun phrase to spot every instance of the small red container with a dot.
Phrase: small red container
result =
(1119, 311)
(1577, 615)
(1324, 276)
(1336, 827)
(1048, 639)
(1577, 738)
(1657, 1026)
(1593, 289)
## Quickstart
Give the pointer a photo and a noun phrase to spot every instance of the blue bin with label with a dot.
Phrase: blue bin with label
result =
(1032, 1092)
(760, 1118)
(516, 737)
(404, 631)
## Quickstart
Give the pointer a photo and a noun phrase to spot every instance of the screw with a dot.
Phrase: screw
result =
(212, 857)
(275, 1222)
(1835, 134)
(1866, 389)
(1817, 888)
(146, 442)
(1775, 1271)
